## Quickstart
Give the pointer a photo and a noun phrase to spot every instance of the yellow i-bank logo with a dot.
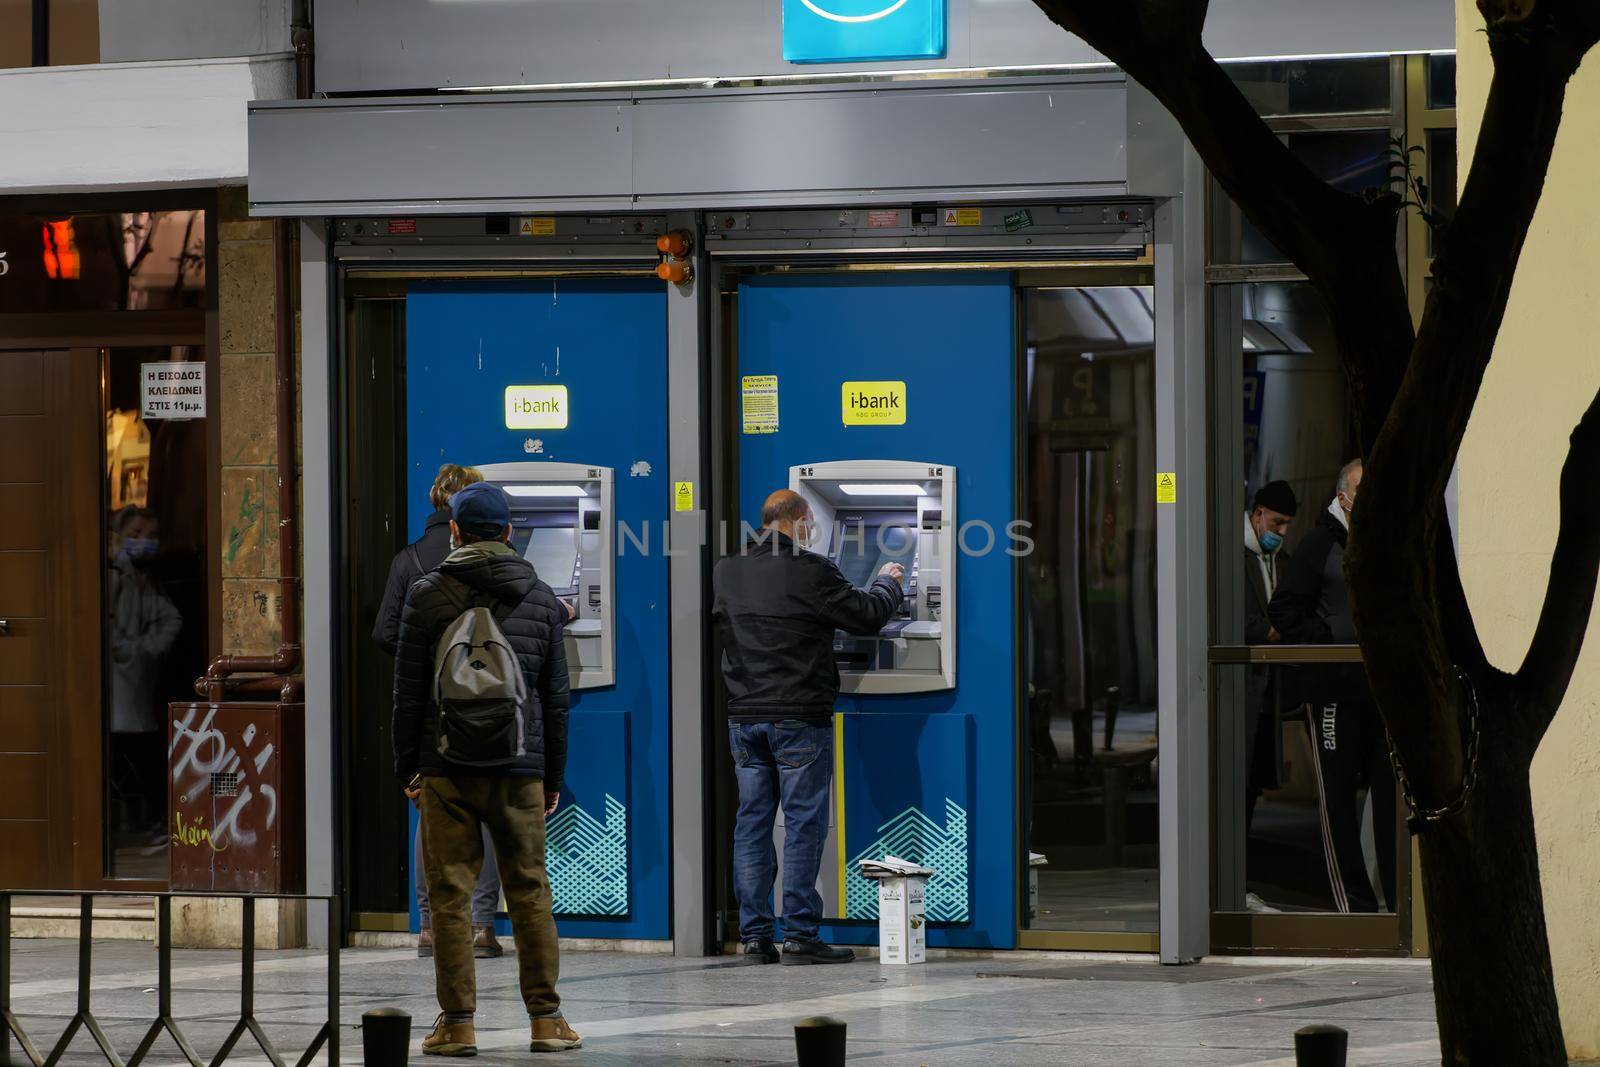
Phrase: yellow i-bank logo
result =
(873, 403)
(536, 407)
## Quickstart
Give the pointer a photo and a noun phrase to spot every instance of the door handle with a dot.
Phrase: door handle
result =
(5, 627)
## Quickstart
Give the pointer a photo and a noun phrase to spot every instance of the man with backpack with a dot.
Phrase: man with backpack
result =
(413, 561)
(480, 735)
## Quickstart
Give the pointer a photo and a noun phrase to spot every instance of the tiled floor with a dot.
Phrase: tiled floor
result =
(1006, 1009)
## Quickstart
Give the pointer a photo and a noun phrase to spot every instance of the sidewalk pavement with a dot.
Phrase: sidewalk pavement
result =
(638, 1009)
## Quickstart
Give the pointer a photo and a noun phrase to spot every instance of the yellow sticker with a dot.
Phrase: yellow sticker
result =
(536, 407)
(963, 216)
(683, 496)
(536, 226)
(873, 403)
(1166, 488)
(760, 395)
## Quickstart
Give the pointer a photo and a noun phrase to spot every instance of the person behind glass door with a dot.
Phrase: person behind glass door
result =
(1311, 606)
(1265, 557)
(144, 625)
(412, 562)
(776, 608)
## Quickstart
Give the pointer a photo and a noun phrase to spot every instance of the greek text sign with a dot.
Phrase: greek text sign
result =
(174, 390)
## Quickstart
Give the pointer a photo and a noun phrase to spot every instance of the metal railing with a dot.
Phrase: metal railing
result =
(84, 1018)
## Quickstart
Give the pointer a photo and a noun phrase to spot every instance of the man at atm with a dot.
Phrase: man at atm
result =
(777, 608)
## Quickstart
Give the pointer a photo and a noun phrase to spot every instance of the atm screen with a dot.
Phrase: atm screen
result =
(553, 551)
(861, 557)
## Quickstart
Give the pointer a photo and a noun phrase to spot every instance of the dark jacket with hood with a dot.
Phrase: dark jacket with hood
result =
(429, 550)
(484, 574)
(1311, 606)
(777, 608)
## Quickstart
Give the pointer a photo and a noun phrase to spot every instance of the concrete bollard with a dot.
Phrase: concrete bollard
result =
(819, 1042)
(1320, 1046)
(385, 1038)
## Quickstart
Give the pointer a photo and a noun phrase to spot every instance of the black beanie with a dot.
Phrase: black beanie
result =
(1277, 496)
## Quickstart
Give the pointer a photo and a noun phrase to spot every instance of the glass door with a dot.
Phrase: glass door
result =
(1088, 616)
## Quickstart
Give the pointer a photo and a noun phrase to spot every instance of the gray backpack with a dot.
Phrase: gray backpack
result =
(478, 688)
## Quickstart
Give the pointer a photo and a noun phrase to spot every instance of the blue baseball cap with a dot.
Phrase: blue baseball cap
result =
(481, 509)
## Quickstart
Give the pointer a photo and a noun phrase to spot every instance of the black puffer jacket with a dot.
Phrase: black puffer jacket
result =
(429, 550)
(777, 608)
(487, 574)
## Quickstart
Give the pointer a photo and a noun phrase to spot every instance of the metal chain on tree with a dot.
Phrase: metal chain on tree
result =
(1420, 817)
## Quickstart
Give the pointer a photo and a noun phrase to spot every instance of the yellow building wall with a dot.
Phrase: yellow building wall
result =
(1544, 372)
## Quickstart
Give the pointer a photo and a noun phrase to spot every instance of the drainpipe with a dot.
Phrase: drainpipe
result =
(278, 672)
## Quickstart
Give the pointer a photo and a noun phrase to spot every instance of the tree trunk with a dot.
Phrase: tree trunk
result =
(1494, 990)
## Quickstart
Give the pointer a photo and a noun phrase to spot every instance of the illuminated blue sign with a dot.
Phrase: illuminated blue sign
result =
(852, 31)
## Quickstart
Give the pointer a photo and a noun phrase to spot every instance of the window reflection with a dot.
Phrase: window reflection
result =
(103, 261)
(1091, 609)
(155, 599)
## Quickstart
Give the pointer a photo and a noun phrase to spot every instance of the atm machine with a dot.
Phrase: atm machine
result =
(872, 512)
(561, 522)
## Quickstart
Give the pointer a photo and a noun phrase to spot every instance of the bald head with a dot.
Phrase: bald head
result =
(785, 510)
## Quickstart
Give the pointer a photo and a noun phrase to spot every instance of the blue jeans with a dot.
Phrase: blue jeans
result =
(789, 763)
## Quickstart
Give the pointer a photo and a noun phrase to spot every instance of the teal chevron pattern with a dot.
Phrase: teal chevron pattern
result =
(588, 860)
(912, 835)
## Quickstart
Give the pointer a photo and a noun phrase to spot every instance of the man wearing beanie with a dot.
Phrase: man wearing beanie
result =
(480, 733)
(1265, 527)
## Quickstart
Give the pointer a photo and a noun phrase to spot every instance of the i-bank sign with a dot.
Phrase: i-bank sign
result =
(844, 31)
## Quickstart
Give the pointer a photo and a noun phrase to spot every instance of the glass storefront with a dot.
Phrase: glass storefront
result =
(1090, 609)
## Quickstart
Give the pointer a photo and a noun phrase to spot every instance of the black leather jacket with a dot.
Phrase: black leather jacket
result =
(777, 607)
(489, 574)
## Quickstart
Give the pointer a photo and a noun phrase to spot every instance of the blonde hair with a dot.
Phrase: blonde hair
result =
(451, 479)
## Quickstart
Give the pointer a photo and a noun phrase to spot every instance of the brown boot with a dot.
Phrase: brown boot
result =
(552, 1034)
(451, 1039)
(484, 944)
(425, 943)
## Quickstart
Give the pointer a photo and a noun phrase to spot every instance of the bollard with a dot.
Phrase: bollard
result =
(819, 1042)
(385, 1038)
(1320, 1046)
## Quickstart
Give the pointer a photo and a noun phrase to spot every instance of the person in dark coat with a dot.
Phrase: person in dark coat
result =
(777, 608)
(512, 797)
(1312, 607)
(411, 563)
(1265, 558)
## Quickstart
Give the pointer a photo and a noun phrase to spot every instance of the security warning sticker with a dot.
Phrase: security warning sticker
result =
(962, 216)
(536, 226)
(887, 218)
(873, 403)
(1166, 488)
(760, 395)
(536, 407)
(682, 496)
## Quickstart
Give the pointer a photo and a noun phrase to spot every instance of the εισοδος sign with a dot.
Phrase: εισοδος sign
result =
(174, 390)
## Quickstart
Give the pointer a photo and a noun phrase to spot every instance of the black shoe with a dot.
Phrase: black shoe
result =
(760, 951)
(799, 953)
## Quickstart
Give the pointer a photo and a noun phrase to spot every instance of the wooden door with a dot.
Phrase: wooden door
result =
(51, 561)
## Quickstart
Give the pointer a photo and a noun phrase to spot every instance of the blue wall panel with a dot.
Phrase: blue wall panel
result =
(951, 339)
(606, 342)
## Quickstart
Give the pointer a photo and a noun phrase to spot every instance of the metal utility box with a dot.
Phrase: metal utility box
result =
(236, 792)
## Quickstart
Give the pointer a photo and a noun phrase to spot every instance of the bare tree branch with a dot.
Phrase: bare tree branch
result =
(1344, 244)
(1558, 638)
(1407, 653)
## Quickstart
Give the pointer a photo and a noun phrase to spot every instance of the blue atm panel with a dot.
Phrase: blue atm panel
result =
(928, 776)
(605, 342)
